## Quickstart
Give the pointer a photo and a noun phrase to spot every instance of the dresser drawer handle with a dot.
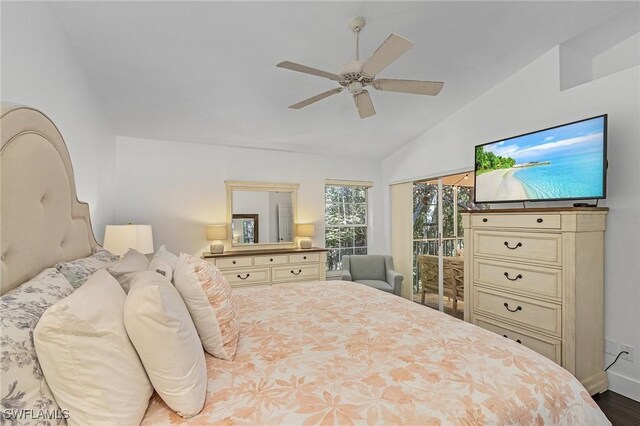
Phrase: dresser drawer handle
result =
(247, 276)
(234, 262)
(506, 243)
(271, 260)
(519, 276)
(298, 273)
(485, 220)
(304, 257)
(518, 340)
(539, 220)
(518, 308)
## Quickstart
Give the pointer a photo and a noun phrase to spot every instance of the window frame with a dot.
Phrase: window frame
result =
(366, 185)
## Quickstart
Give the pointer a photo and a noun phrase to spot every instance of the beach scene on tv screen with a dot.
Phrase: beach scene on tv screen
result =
(563, 162)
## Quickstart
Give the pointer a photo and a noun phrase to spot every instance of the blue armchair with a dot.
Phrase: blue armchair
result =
(373, 270)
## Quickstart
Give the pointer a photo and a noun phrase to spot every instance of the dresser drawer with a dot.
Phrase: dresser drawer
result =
(533, 221)
(270, 260)
(248, 276)
(233, 262)
(551, 348)
(295, 272)
(532, 313)
(304, 258)
(532, 247)
(534, 280)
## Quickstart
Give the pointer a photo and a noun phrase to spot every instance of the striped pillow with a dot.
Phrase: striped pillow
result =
(211, 303)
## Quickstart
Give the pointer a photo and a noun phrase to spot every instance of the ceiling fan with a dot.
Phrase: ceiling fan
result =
(357, 75)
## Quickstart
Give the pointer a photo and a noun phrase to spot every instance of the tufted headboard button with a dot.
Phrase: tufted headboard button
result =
(3, 257)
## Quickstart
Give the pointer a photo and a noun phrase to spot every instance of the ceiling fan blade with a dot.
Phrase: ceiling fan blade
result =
(316, 98)
(392, 48)
(364, 104)
(308, 70)
(431, 88)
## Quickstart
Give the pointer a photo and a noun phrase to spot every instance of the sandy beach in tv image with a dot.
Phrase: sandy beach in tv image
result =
(563, 162)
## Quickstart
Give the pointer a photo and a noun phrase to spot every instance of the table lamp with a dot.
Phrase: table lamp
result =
(305, 230)
(118, 239)
(216, 233)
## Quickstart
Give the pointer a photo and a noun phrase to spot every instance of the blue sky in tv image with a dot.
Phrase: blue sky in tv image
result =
(564, 162)
(572, 139)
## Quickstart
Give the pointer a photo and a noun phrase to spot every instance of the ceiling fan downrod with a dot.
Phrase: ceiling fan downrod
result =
(356, 25)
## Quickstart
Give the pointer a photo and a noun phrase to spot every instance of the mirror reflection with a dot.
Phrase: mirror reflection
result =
(262, 217)
(246, 228)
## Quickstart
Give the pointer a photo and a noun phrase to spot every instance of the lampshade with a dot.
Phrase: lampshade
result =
(216, 232)
(118, 239)
(305, 230)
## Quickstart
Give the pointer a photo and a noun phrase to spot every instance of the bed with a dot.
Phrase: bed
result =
(309, 353)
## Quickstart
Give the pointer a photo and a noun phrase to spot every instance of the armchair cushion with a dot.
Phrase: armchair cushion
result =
(368, 267)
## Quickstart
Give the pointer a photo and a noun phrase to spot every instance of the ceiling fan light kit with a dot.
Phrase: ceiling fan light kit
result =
(357, 75)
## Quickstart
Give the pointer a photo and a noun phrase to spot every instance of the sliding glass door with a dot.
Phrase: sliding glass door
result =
(438, 252)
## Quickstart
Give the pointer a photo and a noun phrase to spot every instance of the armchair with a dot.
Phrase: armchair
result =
(373, 270)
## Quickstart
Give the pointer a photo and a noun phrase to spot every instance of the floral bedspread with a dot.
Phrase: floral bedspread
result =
(338, 352)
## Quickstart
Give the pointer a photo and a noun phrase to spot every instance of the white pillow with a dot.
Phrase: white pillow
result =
(163, 262)
(125, 269)
(163, 333)
(211, 303)
(87, 357)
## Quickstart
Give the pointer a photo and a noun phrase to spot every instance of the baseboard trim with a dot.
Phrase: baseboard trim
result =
(624, 385)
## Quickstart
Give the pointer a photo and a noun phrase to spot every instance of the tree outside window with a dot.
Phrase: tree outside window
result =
(346, 221)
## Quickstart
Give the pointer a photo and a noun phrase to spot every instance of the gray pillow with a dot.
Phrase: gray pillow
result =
(127, 267)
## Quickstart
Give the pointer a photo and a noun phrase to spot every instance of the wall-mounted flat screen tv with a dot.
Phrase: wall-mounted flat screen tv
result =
(566, 162)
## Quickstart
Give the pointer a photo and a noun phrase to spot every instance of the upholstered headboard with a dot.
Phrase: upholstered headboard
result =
(42, 221)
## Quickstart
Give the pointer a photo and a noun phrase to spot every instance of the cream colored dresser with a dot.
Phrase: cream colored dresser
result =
(267, 267)
(535, 276)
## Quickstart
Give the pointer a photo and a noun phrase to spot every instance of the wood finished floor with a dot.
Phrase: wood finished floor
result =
(620, 410)
(431, 301)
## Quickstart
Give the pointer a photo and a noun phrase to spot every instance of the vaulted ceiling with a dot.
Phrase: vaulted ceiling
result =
(205, 71)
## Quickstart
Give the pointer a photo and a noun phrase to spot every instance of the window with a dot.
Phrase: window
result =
(346, 220)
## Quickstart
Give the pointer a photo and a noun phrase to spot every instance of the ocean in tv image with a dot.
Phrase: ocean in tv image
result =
(563, 162)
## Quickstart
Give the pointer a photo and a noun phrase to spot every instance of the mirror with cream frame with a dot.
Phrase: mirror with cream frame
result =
(261, 214)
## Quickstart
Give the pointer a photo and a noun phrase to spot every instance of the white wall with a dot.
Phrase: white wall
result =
(619, 57)
(178, 187)
(531, 100)
(39, 69)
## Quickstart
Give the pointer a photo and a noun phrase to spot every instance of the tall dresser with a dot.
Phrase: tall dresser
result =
(536, 276)
(268, 267)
